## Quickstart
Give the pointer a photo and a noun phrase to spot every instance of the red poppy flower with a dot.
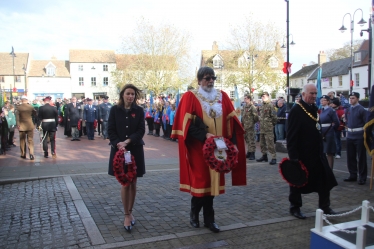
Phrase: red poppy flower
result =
(133, 115)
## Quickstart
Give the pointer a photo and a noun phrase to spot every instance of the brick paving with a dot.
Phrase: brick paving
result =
(38, 211)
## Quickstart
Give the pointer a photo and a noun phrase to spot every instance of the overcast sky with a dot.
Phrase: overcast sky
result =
(45, 28)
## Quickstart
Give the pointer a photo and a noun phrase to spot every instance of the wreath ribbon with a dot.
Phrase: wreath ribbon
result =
(221, 166)
(118, 168)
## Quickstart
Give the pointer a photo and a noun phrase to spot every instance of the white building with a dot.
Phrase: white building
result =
(90, 72)
(49, 78)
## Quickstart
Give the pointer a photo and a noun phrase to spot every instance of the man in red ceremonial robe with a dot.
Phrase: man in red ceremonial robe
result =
(203, 113)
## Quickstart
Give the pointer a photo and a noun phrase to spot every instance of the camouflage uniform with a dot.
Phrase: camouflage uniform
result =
(249, 119)
(268, 118)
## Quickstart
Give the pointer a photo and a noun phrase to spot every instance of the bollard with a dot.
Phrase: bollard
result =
(365, 212)
(319, 220)
(361, 237)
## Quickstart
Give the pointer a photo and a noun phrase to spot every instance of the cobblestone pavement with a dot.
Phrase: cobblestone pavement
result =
(72, 203)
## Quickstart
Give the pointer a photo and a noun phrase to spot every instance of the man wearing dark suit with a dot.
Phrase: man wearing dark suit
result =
(73, 114)
(90, 116)
(304, 143)
(48, 117)
(24, 115)
(104, 115)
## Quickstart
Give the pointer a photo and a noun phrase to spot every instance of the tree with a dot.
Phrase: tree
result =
(334, 54)
(155, 58)
(257, 46)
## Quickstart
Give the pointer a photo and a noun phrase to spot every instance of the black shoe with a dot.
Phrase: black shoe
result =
(212, 227)
(128, 228)
(273, 161)
(46, 154)
(297, 213)
(77, 139)
(31, 157)
(350, 179)
(13, 145)
(251, 156)
(73, 139)
(194, 220)
(329, 211)
(24, 157)
(248, 154)
(361, 182)
(264, 158)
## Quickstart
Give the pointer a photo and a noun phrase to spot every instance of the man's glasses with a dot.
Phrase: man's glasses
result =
(210, 77)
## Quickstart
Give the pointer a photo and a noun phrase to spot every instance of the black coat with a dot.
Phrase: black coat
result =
(48, 112)
(304, 142)
(73, 113)
(123, 125)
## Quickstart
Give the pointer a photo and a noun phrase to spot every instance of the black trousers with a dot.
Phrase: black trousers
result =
(168, 130)
(296, 201)
(157, 128)
(356, 149)
(206, 203)
(163, 127)
(150, 124)
(52, 139)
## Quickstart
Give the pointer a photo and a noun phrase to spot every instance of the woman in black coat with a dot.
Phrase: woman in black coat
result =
(126, 128)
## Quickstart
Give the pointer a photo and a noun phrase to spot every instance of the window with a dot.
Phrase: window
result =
(217, 63)
(80, 67)
(50, 71)
(358, 56)
(302, 82)
(232, 94)
(219, 78)
(2, 79)
(93, 81)
(357, 78)
(18, 78)
(81, 81)
(105, 67)
(340, 80)
(273, 63)
(330, 82)
(105, 81)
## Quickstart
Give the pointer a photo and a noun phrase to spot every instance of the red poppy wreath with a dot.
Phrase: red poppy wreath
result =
(222, 161)
(118, 167)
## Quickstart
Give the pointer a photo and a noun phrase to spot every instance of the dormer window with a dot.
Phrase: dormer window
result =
(357, 56)
(50, 69)
(217, 61)
(273, 63)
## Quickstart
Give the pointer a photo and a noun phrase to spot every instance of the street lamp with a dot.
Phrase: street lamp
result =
(221, 67)
(14, 77)
(370, 52)
(24, 70)
(342, 29)
(292, 42)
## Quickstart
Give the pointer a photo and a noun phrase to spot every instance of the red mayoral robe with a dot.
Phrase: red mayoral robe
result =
(196, 177)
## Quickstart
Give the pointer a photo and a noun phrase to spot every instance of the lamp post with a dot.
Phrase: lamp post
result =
(342, 29)
(14, 79)
(24, 70)
(252, 65)
(370, 53)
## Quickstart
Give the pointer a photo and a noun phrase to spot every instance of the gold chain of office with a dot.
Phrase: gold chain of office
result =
(210, 102)
(318, 126)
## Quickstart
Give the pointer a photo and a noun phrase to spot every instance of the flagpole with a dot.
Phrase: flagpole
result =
(372, 173)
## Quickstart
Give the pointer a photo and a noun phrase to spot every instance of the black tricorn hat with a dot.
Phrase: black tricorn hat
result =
(293, 172)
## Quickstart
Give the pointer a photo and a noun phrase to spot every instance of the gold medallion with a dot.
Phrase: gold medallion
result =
(318, 126)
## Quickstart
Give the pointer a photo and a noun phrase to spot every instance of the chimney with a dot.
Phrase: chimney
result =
(304, 65)
(321, 58)
(215, 46)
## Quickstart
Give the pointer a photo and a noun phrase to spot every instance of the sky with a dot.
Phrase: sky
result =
(47, 28)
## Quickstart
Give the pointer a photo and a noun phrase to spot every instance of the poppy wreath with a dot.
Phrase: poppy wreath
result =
(95, 124)
(124, 178)
(294, 173)
(79, 125)
(221, 166)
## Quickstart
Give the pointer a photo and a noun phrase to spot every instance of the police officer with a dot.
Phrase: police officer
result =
(90, 116)
(249, 118)
(355, 117)
(104, 110)
(268, 118)
(48, 117)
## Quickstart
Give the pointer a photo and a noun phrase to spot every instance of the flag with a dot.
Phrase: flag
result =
(178, 96)
(344, 101)
(237, 101)
(369, 126)
(319, 89)
(4, 96)
(151, 100)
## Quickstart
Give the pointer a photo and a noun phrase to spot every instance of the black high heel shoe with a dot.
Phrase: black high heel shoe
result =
(127, 228)
(132, 221)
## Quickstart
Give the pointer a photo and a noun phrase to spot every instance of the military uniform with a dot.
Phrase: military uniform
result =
(48, 117)
(268, 118)
(104, 110)
(249, 119)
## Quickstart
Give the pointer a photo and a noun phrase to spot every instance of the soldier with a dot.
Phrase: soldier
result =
(48, 117)
(104, 110)
(268, 118)
(249, 118)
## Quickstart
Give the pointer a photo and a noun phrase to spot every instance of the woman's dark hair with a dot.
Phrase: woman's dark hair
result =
(204, 71)
(121, 101)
